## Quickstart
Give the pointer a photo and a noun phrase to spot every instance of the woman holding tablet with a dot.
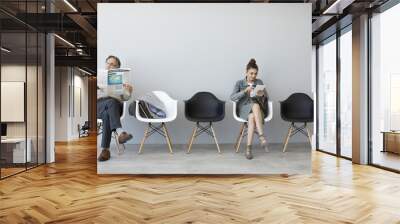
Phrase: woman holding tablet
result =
(250, 104)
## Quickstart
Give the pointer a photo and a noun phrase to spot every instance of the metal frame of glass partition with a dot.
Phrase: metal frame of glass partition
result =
(389, 4)
(40, 36)
(334, 37)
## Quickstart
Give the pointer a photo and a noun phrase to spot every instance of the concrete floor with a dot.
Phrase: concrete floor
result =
(204, 159)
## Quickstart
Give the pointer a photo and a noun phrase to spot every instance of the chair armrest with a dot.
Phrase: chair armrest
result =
(137, 109)
(124, 106)
(234, 103)
(270, 111)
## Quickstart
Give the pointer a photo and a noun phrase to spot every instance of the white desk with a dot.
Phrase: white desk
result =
(19, 149)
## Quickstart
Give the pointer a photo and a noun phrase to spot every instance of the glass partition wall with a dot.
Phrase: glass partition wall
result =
(327, 95)
(385, 90)
(22, 76)
(334, 105)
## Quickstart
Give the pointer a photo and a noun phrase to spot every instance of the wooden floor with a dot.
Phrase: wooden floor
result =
(5, 172)
(70, 191)
(387, 159)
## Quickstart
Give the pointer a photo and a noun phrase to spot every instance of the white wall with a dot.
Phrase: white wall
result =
(186, 48)
(80, 103)
(33, 126)
(61, 103)
(68, 81)
(17, 73)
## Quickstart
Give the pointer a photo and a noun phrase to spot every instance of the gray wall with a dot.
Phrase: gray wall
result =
(185, 48)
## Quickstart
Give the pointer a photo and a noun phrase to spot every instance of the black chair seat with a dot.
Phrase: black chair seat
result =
(85, 126)
(204, 107)
(298, 107)
(298, 120)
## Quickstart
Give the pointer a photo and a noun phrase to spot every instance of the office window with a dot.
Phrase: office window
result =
(327, 96)
(346, 93)
(385, 89)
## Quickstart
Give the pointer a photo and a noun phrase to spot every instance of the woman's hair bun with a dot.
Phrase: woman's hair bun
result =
(252, 64)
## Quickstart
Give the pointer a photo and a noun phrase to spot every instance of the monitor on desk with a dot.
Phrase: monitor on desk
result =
(3, 130)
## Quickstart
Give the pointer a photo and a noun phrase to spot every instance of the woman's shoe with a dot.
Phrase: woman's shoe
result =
(263, 143)
(249, 155)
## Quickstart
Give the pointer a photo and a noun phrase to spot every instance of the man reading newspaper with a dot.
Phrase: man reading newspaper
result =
(112, 90)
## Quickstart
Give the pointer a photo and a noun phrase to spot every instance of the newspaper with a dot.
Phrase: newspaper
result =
(111, 83)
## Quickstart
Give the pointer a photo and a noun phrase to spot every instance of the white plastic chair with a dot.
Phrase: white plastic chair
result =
(114, 135)
(171, 106)
(243, 127)
(120, 149)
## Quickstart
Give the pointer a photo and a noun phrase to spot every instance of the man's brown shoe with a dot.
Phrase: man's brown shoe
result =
(104, 155)
(124, 137)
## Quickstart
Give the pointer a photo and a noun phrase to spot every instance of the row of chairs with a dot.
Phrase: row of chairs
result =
(205, 107)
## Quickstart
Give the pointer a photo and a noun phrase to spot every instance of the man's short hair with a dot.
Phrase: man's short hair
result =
(115, 58)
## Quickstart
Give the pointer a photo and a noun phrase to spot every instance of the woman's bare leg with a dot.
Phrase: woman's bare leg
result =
(250, 129)
(258, 119)
(250, 132)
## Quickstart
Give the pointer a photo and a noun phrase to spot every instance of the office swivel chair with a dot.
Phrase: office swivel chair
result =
(204, 107)
(83, 131)
(297, 108)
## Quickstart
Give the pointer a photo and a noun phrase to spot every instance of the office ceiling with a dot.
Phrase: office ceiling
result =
(76, 21)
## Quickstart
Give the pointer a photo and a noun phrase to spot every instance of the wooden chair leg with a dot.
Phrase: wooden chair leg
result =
(287, 138)
(192, 139)
(240, 134)
(167, 138)
(117, 145)
(144, 139)
(215, 138)
(309, 136)
(239, 142)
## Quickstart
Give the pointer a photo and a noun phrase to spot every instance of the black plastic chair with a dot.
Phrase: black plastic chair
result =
(204, 107)
(297, 108)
